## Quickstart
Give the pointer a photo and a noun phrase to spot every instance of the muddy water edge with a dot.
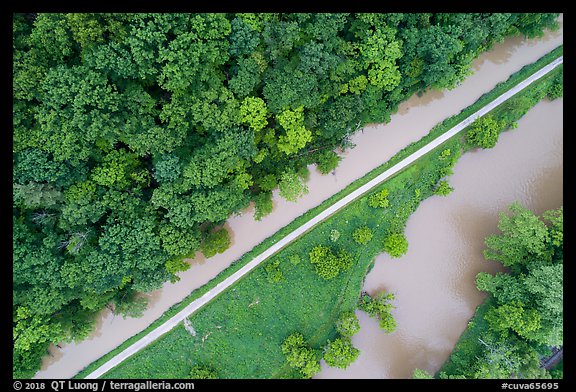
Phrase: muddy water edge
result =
(375, 144)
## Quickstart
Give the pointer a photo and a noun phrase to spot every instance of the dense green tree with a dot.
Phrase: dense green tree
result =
(216, 242)
(379, 199)
(340, 353)
(484, 132)
(299, 355)
(379, 307)
(396, 245)
(347, 324)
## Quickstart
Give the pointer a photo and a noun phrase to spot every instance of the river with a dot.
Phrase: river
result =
(375, 144)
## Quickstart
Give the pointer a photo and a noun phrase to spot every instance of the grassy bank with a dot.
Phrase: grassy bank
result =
(255, 306)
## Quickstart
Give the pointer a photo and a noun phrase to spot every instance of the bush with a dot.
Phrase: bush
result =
(396, 245)
(348, 325)
(299, 355)
(328, 265)
(294, 259)
(273, 271)
(379, 199)
(362, 235)
(484, 132)
(334, 235)
(199, 372)
(379, 307)
(340, 353)
(443, 188)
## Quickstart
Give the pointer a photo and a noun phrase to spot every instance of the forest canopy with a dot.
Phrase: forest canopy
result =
(135, 136)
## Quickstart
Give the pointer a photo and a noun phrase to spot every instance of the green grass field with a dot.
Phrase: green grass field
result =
(240, 332)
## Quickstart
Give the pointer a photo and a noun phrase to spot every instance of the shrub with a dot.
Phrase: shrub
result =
(273, 271)
(362, 235)
(379, 307)
(484, 132)
(340, 353)
(348, 325)
(294, 259)
(199, 372)
(379, 199)
(443, 188)
(299, 355)
(396, 245)
(334, 235)
(327, 264)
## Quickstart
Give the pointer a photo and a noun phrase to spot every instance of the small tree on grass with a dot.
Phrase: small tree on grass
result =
(396, 245)
(216, 242)
(379, 199)
(380, 307)
(299, 355)
(200, 372)
(273, 271)
(443, 188)
(362, 235)
(484, 132)
(340, 353)
(348, 325)
(327, 264)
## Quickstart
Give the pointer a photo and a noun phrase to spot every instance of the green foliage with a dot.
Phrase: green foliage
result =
(130, 304)
(263, 205)
(419, 374)
(300, 356)
(396, 245)
(294, 259)
(200, 372)
(556, 89)
(216, 242)
(380, 308)
(253, 112)
(362, 235)
(340, 353)
(443, 188)
(328, 265)
(273, 271)
(291, 186)
(484, 132)
(379, 199)
(327, 161)
(296, 136)
(347, 324)
(334, 235)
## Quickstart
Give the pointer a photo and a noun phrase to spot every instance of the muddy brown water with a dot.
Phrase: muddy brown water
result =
(375, 144)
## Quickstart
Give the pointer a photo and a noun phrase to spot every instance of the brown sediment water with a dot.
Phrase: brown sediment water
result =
(375, 144)
(434, 282)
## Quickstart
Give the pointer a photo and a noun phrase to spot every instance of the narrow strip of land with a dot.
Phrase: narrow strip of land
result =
(220, 287)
